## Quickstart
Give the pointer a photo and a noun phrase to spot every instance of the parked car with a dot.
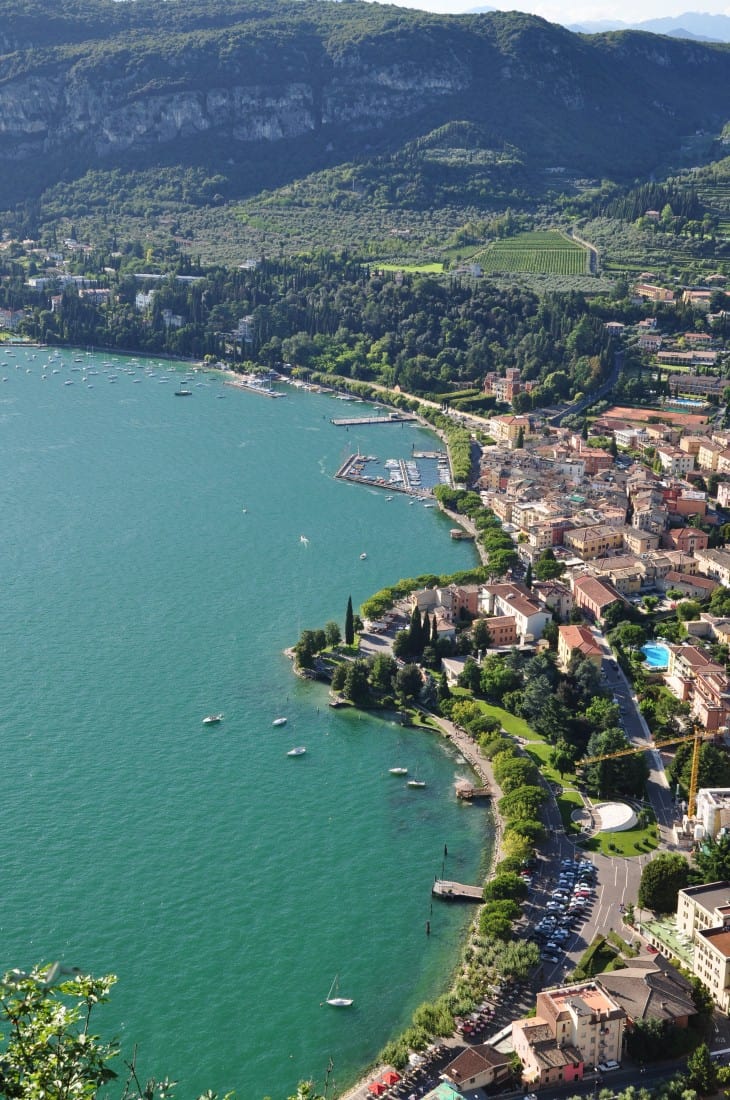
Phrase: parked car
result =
(609, 1066)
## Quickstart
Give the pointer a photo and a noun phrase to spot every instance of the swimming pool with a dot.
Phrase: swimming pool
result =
(657, 654)
(685, 402)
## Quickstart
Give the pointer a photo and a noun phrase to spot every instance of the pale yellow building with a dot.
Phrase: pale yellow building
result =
(595, 541)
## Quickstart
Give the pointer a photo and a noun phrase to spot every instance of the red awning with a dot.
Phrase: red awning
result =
(390, 1077)
(377, 1088)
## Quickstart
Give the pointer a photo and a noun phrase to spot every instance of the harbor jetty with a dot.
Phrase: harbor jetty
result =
(391, 418)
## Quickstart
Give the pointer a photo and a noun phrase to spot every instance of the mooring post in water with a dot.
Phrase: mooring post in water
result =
(428, 927)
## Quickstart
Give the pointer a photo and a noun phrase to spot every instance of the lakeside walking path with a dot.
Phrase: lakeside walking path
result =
(471, 752)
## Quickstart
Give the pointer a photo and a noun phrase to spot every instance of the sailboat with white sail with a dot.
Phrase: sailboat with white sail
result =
(333, 997)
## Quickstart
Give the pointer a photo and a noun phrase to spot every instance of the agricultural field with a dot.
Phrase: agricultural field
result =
(546, 253)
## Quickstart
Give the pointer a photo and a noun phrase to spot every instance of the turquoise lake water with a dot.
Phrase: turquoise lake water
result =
(152, 573)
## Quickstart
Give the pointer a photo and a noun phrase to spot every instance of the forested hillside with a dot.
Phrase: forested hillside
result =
(236, 97)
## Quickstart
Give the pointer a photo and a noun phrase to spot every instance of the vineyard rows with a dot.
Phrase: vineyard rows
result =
(548, 261)
(539, 252)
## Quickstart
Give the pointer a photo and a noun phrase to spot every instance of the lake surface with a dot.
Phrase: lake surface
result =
(153, 572)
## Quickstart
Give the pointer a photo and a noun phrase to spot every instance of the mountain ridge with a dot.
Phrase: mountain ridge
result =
(701, 26)
(313, 83)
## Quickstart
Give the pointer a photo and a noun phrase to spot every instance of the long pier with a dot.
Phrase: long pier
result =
(456, 891)
(391, 418)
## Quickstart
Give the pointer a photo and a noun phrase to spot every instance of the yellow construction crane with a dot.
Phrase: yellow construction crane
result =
(695, 736)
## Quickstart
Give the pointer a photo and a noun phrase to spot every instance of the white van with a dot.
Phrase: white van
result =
(611, 1064)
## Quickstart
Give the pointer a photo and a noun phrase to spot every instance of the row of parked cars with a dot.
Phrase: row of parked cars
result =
(566, 907)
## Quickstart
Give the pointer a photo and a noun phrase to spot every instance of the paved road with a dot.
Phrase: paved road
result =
(638, 733)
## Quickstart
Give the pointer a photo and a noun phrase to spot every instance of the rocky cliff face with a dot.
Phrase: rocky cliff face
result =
(40, 115)
(231, 75)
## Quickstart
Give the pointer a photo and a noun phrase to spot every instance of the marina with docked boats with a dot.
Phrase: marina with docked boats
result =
(415, 476)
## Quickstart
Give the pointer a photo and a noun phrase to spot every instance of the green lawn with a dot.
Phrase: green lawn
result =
(631, 842)
(420, 269)
(518, 727)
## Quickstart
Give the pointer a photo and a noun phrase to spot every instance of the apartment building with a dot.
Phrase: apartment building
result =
(502, 630)
(703, 917)
(515, 600)
(638, 541)
(715, 564)
(674, 461)
(713, 809)
(703, 683)
(555, 595)
(575, 1026)
(593, 542)
(506, 429)
(708, 454)
(686, 539)
(692, 588)
(653, 293)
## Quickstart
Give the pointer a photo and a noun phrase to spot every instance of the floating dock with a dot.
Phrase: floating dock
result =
(457, 891)
(254, 387)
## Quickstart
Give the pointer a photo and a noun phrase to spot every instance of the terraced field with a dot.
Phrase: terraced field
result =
(545, 253)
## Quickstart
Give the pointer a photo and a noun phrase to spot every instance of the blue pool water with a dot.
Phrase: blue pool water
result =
(657, 654)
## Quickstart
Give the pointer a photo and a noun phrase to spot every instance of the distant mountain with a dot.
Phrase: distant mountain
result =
(247, 94)
(700, 26)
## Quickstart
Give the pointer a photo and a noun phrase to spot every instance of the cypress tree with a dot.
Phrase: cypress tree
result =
(414, 634)
(425, 633)
(349, 623)
(528, 575)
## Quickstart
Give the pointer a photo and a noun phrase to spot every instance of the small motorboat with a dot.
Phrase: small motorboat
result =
(212, 719)
(419, 783)
(363, 556)
(298, 751)
(398, 771)
(279, 722)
